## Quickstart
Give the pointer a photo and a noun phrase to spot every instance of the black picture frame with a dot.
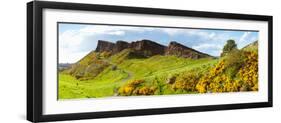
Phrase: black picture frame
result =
(35, 69)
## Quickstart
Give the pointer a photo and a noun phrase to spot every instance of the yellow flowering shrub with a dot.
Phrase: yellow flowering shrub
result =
(131, 88)
(234, 72)
(249, 72)
(231, 75)
(211, 82)
(201, 86)
(145, 91)
(187, 81)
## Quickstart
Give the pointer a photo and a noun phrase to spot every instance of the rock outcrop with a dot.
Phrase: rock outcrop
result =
(105, 46)
(120, 45)
(145, 48)
(180, 50)
(149, 48)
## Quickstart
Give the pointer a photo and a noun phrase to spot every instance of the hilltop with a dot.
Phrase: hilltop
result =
(96, 61)
(148, 48)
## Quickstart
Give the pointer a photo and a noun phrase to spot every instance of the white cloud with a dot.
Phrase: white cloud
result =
(244, 36)
(174, 32)
(117, 33)
(96, 30)
(254, 38)
(70, 57)
(70, 41)
(212, 35)
(206, 48)
(171, 32)
(70, 38)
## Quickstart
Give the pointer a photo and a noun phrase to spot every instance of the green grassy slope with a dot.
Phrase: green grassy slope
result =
(89, 67)
(237, 71)
(126, 73)
(104, 85)
(251, 47)
(122, 68)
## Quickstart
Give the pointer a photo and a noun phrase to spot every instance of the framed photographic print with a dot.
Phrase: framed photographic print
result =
(94, 61)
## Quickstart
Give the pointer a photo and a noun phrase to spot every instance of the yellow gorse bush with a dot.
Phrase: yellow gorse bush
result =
(187, 81)
(237, 71)
(134, 88)
(246, 78)
(249, 72)
(145, 90)
(211, 81)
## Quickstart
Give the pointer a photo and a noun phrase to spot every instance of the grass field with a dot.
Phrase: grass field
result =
(104, 85)
(108, 81)
(125, 74)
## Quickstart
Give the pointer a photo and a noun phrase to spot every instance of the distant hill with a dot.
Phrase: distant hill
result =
(63, 66)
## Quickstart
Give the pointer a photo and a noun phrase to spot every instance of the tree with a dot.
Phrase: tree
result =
(228, 47)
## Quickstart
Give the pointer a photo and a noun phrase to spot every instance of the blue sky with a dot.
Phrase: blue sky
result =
(76, 40)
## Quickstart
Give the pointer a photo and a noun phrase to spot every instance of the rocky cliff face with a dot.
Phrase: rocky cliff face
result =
(104, 46)
(180, 50)
(149, 48)
(143, 47)
(120, 45)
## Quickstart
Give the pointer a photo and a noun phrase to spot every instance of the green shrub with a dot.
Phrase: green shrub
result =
(228, 47)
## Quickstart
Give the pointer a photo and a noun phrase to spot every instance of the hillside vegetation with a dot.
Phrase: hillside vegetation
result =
(126, 73)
